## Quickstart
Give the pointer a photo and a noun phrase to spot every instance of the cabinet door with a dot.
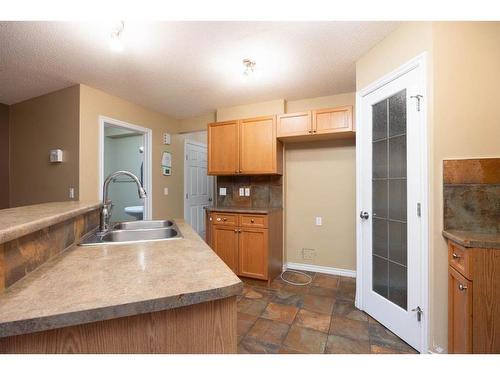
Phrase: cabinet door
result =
(225, 245)
(223, 148)
(253, 252)
(459, 313)
(332, 120)
(258, 145)
(294, 124)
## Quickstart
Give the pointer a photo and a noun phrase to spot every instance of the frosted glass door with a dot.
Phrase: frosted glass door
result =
(389, 192)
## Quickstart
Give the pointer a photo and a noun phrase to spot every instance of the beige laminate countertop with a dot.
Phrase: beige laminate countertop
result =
(20, 221)
(242, 210)
(88, 284)
(473, 239)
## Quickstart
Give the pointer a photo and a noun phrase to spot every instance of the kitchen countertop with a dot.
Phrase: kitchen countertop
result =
(88, 284)
(20, 221)
(242, 210)
(473, 239)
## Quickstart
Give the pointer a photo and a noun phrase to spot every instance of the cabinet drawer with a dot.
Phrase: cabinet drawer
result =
(253, 221)
(221, 218)
(460, 259)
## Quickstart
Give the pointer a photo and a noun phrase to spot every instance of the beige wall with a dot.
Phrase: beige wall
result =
(195, 124)
(464, 117)
(37, 126)
(4, 156)
(319, 181)
(94, 103)
(272, 107)
(466, 125)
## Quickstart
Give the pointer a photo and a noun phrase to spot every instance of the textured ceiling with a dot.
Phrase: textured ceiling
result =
(185, 68)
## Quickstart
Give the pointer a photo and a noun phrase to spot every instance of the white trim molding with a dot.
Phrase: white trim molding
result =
(320, 269)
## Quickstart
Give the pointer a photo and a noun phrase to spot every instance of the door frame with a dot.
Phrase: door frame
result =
(194, 143)
(420, 63)
(147, 168)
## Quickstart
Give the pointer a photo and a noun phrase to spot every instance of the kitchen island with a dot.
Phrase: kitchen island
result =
(170, 296)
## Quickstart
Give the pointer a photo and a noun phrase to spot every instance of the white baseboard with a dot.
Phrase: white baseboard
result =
(321, 269)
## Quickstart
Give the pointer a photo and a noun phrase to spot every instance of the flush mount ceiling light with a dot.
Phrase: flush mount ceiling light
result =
(116, 40)
(250, 67)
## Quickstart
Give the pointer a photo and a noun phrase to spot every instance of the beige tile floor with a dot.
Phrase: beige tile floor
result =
(317, 318)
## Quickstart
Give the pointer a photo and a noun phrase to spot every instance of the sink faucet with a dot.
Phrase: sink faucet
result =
(106, 203)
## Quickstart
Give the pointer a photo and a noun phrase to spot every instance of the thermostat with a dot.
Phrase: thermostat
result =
(56, 156)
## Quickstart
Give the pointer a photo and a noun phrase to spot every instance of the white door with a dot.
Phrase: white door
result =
(198, 187)
(391, 191)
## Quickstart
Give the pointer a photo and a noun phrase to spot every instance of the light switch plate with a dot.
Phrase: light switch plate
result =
(242, 192)
(165, 191)
(222, 191)
(319, 220)
(247, 192)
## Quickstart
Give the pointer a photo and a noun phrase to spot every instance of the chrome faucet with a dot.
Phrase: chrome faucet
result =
(107, 204)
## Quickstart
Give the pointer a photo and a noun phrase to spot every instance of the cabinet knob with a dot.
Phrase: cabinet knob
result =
(455, 256)
(252, 221)
(462, 287)
(224, 219)
(218, 219)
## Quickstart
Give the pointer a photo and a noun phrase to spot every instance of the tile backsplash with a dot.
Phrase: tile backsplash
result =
(265, 191)
(472, 195)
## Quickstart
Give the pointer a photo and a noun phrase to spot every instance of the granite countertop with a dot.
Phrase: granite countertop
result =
(20, 221)
(243, 210)
(88, 284)
(473, 239)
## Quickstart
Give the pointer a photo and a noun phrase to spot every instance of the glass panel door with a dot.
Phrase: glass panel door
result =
(389, 192)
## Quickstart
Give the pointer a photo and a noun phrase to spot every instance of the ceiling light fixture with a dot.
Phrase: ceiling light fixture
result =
(116, 40)
(250, 67)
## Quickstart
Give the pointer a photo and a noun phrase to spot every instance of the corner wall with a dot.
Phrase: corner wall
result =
(463, 118)
(95, 103)
(38, 125)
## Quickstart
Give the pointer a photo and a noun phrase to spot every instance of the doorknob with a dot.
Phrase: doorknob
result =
(364, 215)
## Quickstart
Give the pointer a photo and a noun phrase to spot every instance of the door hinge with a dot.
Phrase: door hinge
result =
(186, 157)
(419, 209)
(419, 313)
(418, 97)
(186, 195)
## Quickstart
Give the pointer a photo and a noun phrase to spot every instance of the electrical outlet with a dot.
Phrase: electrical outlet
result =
(308, 254)
(71, 193)
(242, 192)
(319, 221)
(222, 191)
(247, 192)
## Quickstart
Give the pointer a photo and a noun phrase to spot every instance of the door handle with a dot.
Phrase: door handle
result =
(455, 256)
(462, 287)
(419, 312)
(364, 215)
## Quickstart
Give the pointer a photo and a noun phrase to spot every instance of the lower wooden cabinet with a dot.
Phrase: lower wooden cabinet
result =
(460, 313)
(473, 299)
(225, 244)
(250, 244)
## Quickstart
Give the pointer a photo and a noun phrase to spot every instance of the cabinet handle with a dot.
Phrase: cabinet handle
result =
(462, 287)
(252, 221)
(224, 219)
(456, 256)
(218, 219)
(236, 231)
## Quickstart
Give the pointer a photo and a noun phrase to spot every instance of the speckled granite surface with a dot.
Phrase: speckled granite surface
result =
(473, 239)
(242, 210)
(20, 221)
(88, 284)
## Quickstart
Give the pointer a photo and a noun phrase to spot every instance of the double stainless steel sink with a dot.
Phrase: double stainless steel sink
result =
(134, 231)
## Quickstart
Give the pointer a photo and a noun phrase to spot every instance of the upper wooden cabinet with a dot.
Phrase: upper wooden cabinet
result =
(244, 147)
(328, 123)
(293, 124)
(223, 148)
